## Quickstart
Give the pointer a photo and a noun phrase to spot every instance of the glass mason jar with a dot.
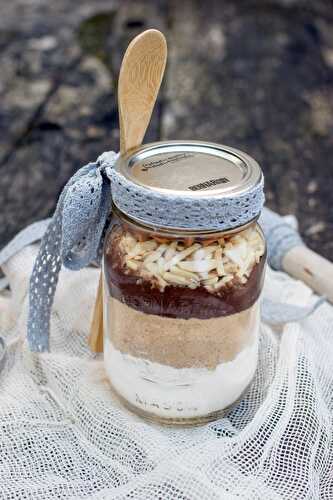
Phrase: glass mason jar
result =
(181, 313)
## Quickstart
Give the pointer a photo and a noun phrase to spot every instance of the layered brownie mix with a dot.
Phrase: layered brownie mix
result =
(183, 268)
(183, 303)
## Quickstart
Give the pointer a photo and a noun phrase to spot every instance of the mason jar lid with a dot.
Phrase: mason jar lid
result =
(191, 185)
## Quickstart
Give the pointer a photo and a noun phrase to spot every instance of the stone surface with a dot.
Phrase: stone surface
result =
(252, 74)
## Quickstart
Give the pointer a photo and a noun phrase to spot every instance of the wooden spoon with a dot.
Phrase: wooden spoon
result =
(140, 78)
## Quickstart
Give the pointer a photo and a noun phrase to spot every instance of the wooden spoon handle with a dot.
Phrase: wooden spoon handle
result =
(316, 271)
(95, 339)
(140, 78)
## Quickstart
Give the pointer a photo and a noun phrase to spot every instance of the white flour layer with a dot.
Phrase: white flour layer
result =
(171, 392)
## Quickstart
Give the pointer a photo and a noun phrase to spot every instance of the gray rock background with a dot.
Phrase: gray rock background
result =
(254, 74)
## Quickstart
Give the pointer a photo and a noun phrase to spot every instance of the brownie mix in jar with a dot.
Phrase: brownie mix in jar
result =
(183, 268)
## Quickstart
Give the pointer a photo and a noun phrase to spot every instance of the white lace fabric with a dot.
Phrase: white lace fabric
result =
(64, 435)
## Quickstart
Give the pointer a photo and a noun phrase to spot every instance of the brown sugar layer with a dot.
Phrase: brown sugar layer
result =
(181, 343)
(182, 302)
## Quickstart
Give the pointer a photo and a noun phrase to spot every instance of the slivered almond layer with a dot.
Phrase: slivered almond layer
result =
(210, 263)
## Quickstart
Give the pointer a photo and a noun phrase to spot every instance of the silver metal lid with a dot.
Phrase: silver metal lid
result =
(189, 185)
(191, 168)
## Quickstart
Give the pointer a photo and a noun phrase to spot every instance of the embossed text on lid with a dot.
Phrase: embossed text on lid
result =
(191, 167)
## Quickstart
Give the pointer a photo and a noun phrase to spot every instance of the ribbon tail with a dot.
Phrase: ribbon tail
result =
(72, 238)
(43, 282)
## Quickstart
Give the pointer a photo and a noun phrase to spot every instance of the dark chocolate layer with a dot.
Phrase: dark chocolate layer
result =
(178, 301)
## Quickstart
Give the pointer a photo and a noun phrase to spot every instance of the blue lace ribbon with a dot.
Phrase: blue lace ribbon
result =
(73, 237)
